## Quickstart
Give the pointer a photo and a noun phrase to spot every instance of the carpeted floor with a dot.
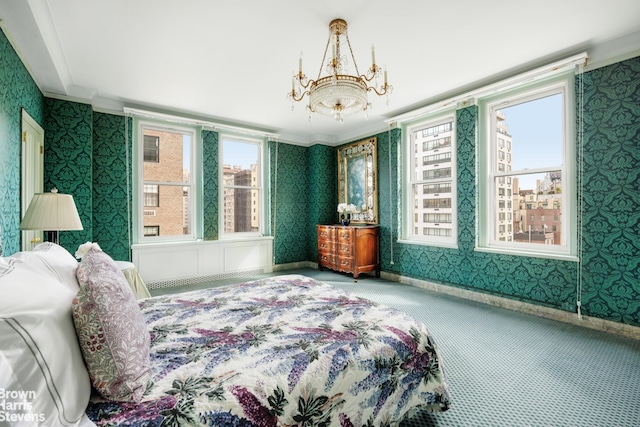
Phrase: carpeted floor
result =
(508, 369)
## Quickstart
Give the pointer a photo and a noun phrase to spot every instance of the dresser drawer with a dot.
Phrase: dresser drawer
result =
(344, 249)
(325, 233)
(344, 264)
(327, 260)
(345, 235)
(326, 246)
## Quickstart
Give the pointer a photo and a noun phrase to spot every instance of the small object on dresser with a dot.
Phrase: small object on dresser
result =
(345, 211)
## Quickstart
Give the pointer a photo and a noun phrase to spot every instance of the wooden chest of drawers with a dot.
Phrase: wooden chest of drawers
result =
(350, 249)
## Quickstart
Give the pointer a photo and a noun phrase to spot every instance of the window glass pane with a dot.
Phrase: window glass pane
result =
(242, 186)
(171, 214)
(432, 174)
(173, 154)
(240, 161)
(166, 186)
(528, 136)
(241, 213)
(532, 212)
(531, 133)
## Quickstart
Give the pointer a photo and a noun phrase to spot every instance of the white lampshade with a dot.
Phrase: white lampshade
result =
(52, 212)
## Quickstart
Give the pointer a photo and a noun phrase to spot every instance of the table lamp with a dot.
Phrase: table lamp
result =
(51, 212)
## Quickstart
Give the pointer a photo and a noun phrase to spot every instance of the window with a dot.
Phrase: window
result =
(430, 182)
(151, 148)
(151, 230)
(151, 196)
(241, 178)
(527, 138)
(166, 179)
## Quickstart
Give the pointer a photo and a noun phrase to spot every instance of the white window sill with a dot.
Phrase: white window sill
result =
(530, 254)
(424, 243)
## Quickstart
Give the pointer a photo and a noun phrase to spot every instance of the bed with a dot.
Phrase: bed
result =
(282, 351)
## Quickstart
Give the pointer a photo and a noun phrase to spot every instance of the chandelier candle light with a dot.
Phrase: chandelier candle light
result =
(338, 93)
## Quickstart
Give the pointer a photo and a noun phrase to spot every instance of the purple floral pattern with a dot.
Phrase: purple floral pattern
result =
(281, 351)
(111, 330)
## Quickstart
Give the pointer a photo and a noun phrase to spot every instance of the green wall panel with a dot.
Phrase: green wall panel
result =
(323, 193)
(388, 194)
(611, 201)
(289, 201)
(17, 91)
(111, 195)
(210, 184)
(68, 164)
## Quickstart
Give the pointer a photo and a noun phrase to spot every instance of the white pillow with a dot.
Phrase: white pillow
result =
(41, 367)
(54, 260)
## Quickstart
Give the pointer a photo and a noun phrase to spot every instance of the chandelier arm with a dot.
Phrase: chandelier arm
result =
(374, 70)
(293, 95)
(384, 89)
(367, 79)
(309, 82)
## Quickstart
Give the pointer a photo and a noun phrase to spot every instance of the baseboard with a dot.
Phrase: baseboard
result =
(294, 265)
(628, 331)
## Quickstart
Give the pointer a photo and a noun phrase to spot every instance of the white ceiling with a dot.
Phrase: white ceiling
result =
(231, 62)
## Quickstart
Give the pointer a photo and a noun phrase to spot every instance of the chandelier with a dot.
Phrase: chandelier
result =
(338, 94)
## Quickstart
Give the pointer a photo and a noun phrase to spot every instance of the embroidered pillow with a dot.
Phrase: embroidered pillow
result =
(111, 330)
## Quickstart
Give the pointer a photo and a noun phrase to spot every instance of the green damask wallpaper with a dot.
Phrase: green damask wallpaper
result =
(111, 196)
(210, 184)
(290, 210)
(17, 91)
(322, 192)
(611, 201)
(68, 161)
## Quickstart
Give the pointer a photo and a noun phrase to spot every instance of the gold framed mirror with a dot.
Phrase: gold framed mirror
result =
(358, 180)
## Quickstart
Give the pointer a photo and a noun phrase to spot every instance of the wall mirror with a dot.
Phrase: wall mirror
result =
(357, 180)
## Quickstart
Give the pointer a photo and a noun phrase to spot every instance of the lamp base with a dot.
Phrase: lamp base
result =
(52, 236)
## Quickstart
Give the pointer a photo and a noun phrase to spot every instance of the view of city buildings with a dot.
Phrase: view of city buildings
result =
(433, 214)
(527, 215)
(530, 215)
(240, 201)
(166, 199)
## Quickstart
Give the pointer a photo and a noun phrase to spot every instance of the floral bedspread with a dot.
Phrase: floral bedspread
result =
(282, 351)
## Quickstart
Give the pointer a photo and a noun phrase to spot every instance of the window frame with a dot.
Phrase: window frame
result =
(261, 186)
(488, 171)
(414, 152)
(139, 207)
